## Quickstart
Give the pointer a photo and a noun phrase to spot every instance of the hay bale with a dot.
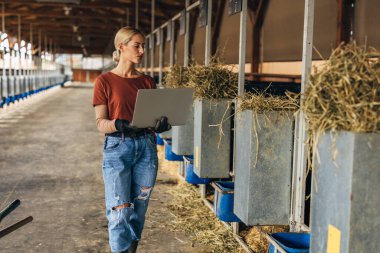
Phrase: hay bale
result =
(344, 94)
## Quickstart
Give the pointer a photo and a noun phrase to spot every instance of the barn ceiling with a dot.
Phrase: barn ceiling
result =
(78, 26)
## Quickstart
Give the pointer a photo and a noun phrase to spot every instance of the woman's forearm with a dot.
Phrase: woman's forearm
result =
(106, 126)
(103, 123)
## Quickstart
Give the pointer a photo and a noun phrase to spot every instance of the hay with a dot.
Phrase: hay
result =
(214, 81)
(177, 77)
(344, 94)
(193, 217)
(262, 102)
(255, 237)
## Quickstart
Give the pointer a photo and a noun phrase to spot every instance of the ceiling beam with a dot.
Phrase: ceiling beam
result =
(101, 4)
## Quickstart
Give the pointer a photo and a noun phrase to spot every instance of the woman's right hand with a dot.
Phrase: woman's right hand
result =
(123, 126)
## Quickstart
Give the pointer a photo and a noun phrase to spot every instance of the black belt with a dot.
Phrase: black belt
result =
(137, 133)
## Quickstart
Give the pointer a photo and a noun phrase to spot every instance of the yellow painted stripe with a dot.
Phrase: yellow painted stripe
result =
(333, 240)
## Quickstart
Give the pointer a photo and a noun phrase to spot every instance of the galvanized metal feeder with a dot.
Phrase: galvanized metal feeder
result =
(183, 137)
(345, 193)
(211, 147)
(263, 167)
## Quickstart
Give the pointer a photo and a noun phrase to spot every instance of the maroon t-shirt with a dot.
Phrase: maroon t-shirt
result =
(119, 93)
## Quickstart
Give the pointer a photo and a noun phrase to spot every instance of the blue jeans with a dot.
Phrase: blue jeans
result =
(129, 171)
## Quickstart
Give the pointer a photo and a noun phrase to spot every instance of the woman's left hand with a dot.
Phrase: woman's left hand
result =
(162, 125)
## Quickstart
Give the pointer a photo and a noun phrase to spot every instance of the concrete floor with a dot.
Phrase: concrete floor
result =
(51, 160)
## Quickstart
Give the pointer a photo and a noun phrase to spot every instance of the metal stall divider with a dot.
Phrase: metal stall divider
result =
(4, 80)
(300, 148)
(241, 81)
(183, 136)
(11, 79)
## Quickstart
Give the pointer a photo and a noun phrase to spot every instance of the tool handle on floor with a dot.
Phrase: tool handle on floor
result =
(15, 226)
(9, 208)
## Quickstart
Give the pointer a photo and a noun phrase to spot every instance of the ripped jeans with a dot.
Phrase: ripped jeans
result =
(129, 171)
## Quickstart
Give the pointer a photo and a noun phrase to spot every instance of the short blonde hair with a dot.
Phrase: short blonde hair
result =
(123, 36)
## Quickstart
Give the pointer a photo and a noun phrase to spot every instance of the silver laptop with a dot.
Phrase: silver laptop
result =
(152, 104)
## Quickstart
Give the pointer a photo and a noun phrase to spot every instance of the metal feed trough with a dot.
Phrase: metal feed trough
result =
(263, 167)
(183, 137)
(345, 196)
(211, 146)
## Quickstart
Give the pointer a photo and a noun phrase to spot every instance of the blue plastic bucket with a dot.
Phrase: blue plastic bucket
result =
(160, 141)
(224, 201)
(169, 155)
(291, 242)
(191, 177)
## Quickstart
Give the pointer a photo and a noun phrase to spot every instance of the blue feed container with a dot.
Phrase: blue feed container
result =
(224, 201)
(160, 141)
(191, 177)
(169, 155)
(291, 242)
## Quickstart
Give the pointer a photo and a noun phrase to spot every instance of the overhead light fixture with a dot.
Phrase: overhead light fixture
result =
(67, 10)
(75, 28)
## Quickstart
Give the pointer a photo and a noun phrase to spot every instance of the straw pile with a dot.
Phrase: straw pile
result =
(177, 77)
(193, 217)
(255, 238)
(214, 81)
(345, 93)
(264, 102)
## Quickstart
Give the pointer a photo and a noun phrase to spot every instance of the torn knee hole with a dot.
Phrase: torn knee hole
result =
(144, 193)
(125, 205)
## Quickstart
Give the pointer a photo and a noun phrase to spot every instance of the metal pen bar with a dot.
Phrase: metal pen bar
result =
(176, 16)
(137, 15)
(152, 40)
(152, 55)
(172, 27)
(187, 40)
(15, 226)
(300, 148)
(192, 6)
(208, 33)
(161, 51)
(242, 47)
(12, 206)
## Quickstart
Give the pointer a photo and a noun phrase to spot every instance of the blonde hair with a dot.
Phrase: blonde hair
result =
(123, 36)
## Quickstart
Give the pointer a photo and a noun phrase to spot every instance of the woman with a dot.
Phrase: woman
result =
(129, 154)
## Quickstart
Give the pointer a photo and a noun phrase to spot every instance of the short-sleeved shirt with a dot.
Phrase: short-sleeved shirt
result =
(119, 93)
